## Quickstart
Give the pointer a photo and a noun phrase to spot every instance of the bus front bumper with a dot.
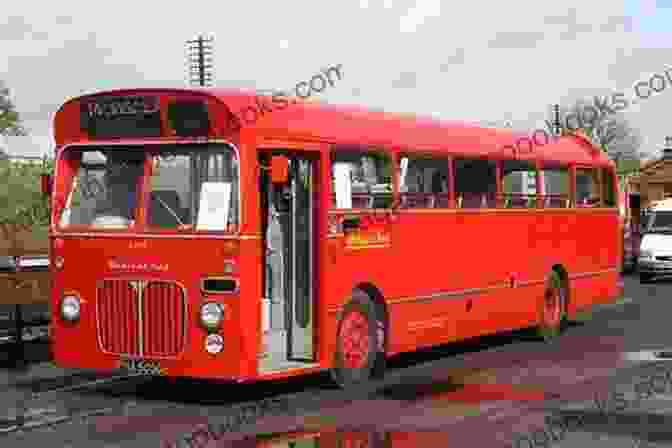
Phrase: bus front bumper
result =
(654, 267)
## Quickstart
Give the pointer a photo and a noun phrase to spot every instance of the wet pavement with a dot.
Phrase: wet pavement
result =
(581, 390)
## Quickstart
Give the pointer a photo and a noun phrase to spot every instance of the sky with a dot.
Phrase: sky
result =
(478, 61)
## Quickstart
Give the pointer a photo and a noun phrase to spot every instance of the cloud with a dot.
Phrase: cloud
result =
(399, 56)
(517, 39)
(456, 58)
(405, 80)
(417, 15)
(618, 23)
(15, 28)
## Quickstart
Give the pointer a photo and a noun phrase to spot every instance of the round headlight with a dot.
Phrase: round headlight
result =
(214, 343)
(70, 308)
(212, 315)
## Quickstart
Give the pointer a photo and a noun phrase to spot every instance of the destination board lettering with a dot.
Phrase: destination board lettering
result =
(122, 106)
(121, 117)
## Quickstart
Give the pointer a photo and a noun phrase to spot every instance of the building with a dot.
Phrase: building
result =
(653, 180)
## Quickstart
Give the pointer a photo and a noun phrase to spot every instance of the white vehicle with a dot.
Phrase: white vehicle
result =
(655, 251)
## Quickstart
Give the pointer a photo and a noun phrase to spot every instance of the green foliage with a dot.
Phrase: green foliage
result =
(22, 203)
(10, 123)
(611, 132)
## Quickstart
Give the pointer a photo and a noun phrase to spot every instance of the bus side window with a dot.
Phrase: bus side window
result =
(425, 183)
(587, 188)
(519, 184)
(475, 183)
(556, 186)
(365, 175)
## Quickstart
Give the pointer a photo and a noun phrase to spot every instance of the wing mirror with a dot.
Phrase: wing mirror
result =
(47, 184)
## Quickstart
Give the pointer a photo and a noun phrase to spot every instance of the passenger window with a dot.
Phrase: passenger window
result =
(556, 186)
(587, 191)
(424, 182)
(475, 183)
(361, 178)
(519, 184)
(608, 187)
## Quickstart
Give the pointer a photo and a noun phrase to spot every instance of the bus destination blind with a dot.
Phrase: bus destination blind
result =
(121, 117)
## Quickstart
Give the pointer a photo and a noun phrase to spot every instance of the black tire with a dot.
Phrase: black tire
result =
(374, 362)
(645, 277)
(545, 331)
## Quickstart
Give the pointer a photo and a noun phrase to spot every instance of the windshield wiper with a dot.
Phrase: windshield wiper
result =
(179, 221)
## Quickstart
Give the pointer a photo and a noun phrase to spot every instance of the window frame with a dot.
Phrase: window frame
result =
(391, 154)
(555, 166)
(431, 155)
(596, 176)
(538, 198)
(143, 191)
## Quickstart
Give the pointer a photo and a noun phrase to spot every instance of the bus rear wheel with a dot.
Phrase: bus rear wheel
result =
(553, 308)
(360, 354)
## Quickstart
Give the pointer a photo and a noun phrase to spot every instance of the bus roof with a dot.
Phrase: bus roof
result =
(352, 125)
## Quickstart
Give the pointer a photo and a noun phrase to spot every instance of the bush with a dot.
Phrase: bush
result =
(22, 204)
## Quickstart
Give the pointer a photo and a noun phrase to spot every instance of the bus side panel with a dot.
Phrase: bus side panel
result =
(448, 275)
(595, 266)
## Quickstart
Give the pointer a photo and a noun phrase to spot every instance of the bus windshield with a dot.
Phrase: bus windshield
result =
(190, 188)
(660, 222)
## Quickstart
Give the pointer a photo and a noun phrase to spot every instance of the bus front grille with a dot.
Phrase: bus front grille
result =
(141, 318)
(163, 319)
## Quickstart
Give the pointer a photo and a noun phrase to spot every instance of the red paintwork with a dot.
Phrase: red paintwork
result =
(413, 253)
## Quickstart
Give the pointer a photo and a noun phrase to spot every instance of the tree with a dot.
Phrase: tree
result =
(10, 123)
(23, 208)
(608, 129)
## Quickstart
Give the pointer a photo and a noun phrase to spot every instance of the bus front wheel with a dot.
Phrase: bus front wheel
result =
(360, 344)
(553, 308)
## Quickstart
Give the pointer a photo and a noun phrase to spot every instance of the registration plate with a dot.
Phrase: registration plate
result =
(142, 367)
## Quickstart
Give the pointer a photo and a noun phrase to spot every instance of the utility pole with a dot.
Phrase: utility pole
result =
(200, 64)
(556, 120)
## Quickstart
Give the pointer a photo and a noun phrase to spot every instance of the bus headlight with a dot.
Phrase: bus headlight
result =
(70, 308)
(214, 344)
(212, 315)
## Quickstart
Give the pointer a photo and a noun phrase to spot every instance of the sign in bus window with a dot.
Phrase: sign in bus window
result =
(342, 184)
(213, 209)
